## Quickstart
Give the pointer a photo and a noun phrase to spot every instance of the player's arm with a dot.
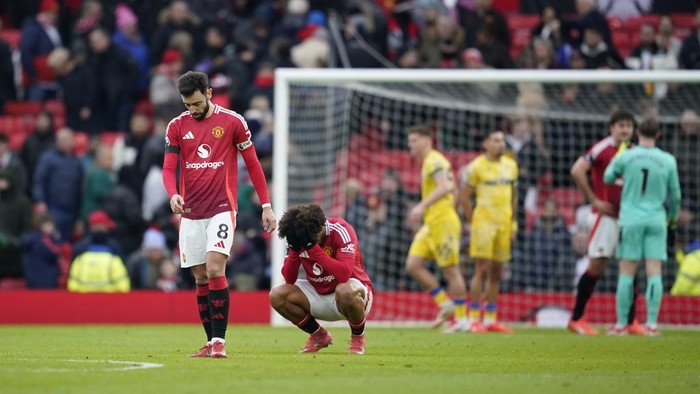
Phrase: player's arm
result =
(579, 172)
(172, 155)
(341, 267)
(674, 188)
(290, 267)
(613, 171)
(257, 176)
(466, 192)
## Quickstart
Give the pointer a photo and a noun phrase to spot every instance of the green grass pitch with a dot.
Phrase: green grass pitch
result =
(113, 359)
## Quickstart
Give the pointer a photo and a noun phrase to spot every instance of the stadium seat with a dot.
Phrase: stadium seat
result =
(13, 284)
(520, 22)
(684, 20)
(12, 37)
(567, 197)
(56, 107)
(82, 143)
(621, 39)
(144, 106)
(22, 108)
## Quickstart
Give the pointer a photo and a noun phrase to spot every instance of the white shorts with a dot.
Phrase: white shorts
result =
(323, 307)
(199, 236)
(603, 237)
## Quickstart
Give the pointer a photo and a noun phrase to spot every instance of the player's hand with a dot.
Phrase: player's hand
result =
(177, 203)
(603, 207)
(416, 214)
(268, 219)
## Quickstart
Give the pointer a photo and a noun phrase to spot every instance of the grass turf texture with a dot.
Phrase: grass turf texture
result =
(264, 360)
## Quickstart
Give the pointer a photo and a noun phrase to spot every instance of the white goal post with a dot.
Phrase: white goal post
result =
(298, 106)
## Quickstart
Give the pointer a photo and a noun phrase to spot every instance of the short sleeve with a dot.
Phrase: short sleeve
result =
(469, 176)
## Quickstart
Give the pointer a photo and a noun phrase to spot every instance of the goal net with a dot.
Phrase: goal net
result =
(340, 141)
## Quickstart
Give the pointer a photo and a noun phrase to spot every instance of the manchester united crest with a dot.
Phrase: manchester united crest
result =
(217, 131)
(328, 250)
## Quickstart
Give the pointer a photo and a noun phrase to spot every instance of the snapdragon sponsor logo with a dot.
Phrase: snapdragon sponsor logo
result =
(205, 164)
(327, 278)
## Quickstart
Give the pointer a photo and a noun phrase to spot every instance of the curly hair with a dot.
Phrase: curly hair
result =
(302, 222)
(193, 81)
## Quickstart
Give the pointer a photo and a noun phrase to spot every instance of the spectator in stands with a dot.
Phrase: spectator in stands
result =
(403, 33)
(78, 90)
(596, 51)
(685, 147)
(163, 92)
(38, 142)
(215, 12)
(145, 264)
(154, 193)
(216, 59)
(551, 28)
(177, 18)
(472, 60)
(8, 90)
(100, 179)
(154, 148)
(483, 16)
(395, 238)
(364, 34)
(313, 50)
(128, 37)
(248, 263)
(97, 265)
(649, 55)
(41, 250)
(688, 259)
(538, 55)
(40, 36)
(441, 42)
(15, 211)
(260, 123)
(590, 17)
(689, 57)
(123, 206)
(128, 152)
(547, 251)
(494, 52)
(355, 211)
(666, 40)
(117, 83)
(58, 183)
(624, 9)
(11, 161)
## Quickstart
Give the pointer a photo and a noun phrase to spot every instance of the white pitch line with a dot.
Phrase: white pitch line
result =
(128, 366)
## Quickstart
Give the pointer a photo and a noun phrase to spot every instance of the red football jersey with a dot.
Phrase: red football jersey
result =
(335, 260)
(600, 155)
(208, 160)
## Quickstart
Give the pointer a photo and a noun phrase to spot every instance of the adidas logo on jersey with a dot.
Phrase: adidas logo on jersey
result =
(188, 136)
(219, 244)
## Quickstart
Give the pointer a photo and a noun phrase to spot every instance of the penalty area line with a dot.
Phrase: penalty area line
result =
(112, 365)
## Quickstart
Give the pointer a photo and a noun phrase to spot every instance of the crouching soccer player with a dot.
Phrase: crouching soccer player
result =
(650, 176)
(336, 286)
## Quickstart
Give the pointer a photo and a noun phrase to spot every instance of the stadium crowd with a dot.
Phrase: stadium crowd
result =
(87, 88)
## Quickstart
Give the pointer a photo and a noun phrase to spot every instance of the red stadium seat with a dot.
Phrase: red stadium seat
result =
(650, 18)
(684, 21)
(12, 37)
(522, 22)
(144, 106)
(82, 143)
(567, 197)
(621, 39)
(56, 107)
(22, 108)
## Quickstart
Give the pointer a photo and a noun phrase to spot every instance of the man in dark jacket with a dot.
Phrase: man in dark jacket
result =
(15, 217)
(8, 90)
(41, 250)
(117, 78)
(38, 142)
(40, 36)
(58, 183)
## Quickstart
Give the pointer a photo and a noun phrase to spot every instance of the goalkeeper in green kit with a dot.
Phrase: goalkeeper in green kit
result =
(650, 176)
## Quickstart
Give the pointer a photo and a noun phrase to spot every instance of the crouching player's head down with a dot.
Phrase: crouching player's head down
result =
(335, 285)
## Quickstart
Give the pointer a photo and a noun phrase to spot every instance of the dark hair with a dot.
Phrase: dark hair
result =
(649, 128)
(489, 133)
(4, 137)
(420, 130)
(191, 82)
(302, 222)
(621, 115)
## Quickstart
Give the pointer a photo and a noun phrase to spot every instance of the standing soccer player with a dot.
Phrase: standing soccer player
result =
(605, 202)
(438, 238)
(650, 176)
(336, 286)
(207, 139)
(492, 177)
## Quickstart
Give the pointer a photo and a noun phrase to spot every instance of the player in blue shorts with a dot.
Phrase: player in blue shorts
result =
(651, 175)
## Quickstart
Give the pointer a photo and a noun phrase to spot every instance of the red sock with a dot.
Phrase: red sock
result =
(307, 324)
(358, 328)
(203, 308)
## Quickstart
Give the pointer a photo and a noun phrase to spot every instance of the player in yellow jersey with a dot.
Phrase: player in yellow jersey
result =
(491, 178)
(438, 238)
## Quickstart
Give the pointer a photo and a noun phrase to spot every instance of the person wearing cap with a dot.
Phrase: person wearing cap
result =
(100, 226)
(99, 268)
(129, 38)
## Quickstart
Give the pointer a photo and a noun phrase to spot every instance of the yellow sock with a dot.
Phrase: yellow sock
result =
(460, 309)
(440, 296)
(490, 313)
(474, 312)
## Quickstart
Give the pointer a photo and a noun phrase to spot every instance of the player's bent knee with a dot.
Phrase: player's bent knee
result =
(345, 294)
(279, 295)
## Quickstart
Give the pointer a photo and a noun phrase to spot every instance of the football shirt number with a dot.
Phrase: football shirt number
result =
(223, 231)
(645, 175)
